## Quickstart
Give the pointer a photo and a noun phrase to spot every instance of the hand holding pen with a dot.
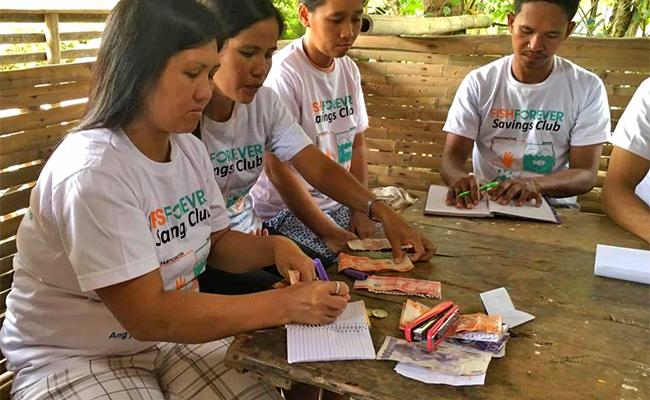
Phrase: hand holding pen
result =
(466, 192)
(322, 275)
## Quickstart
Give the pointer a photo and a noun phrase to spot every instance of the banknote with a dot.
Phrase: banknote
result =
(373, 244)
(496, 349)
(400, 286)
(482, 336)
(410, 311)
(447, 358)
(373, 264)
(294, 277)
(479, 323)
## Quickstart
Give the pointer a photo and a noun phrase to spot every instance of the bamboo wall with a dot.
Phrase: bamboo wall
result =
(26, 140)
(409, 85)
(56, 34)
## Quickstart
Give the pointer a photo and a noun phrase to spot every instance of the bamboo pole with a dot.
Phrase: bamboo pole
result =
(395, 25)
(53, 49)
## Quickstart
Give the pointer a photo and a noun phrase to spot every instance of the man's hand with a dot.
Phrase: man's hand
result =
(519, 191)
(466, 183)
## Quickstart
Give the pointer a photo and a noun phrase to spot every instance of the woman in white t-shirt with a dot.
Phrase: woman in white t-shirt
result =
(124, 217)
(244, 119)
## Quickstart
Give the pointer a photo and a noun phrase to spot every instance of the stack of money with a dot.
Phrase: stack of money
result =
(449, 364)
(482, 333)
(475, 332)
(400, 286)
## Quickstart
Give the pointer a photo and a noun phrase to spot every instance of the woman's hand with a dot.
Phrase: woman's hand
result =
(288, 256)
(361, 225)
(400, 233)
(318, 302)
(337, 239)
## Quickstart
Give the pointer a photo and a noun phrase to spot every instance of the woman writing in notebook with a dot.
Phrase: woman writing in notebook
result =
(245, 119)
(124, 216)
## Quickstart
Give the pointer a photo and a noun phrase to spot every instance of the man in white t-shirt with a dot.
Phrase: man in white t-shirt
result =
(626, 193)
(535, 121)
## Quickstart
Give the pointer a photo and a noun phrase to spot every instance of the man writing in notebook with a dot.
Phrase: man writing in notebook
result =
(535, 121)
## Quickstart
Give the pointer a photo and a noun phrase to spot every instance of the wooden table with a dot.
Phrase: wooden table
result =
(590, 340)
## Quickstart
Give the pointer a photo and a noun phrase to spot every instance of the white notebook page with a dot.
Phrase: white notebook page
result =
(437, 204)
(347, 338)
(542, 213)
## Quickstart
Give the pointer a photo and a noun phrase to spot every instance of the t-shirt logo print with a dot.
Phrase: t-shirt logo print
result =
(539, 157)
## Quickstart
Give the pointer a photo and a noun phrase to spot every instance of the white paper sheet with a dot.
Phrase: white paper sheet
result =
(498, 302)
(623, 263)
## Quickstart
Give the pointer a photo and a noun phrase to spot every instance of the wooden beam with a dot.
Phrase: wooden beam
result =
(53, 49)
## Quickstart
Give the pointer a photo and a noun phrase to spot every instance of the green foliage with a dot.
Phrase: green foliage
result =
(289, 10)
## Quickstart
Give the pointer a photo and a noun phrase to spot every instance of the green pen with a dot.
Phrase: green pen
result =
(487, 186)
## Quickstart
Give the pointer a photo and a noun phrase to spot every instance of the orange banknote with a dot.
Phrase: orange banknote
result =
(400, 286)
(479, 323)
(373, 264)
(410, 311)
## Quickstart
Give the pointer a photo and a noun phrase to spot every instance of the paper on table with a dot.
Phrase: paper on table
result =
(498, 302)
(428, 376)
(623, 263)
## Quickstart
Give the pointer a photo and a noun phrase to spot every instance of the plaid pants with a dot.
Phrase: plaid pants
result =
(169, 371)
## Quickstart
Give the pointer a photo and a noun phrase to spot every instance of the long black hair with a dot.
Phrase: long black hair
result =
(236, 16)
(139, 38)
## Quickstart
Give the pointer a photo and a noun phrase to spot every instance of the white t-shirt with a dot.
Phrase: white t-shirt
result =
(524, 130)
(102, 213)
(632, 132)
(328, 105)
(236, 148)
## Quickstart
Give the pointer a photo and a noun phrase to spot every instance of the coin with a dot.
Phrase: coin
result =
(379, 313)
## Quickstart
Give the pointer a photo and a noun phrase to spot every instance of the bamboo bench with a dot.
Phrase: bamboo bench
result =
(409, 85)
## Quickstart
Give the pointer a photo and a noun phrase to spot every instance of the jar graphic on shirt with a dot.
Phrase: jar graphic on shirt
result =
(344, 142)
(539, 158)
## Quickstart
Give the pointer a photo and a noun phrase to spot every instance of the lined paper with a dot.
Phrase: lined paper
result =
(347, 338)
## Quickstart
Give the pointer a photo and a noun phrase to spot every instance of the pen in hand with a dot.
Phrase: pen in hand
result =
(487, 186)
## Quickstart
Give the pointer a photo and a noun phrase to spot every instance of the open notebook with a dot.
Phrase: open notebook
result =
(347, 338)
(436, 205)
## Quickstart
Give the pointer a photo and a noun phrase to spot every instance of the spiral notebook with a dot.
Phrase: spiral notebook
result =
(347, 338)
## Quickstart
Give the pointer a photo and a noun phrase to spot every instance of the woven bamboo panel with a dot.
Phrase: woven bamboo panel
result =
(27, 139)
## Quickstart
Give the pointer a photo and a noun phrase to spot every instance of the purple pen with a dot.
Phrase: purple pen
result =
(353, 273)
(320, 270)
